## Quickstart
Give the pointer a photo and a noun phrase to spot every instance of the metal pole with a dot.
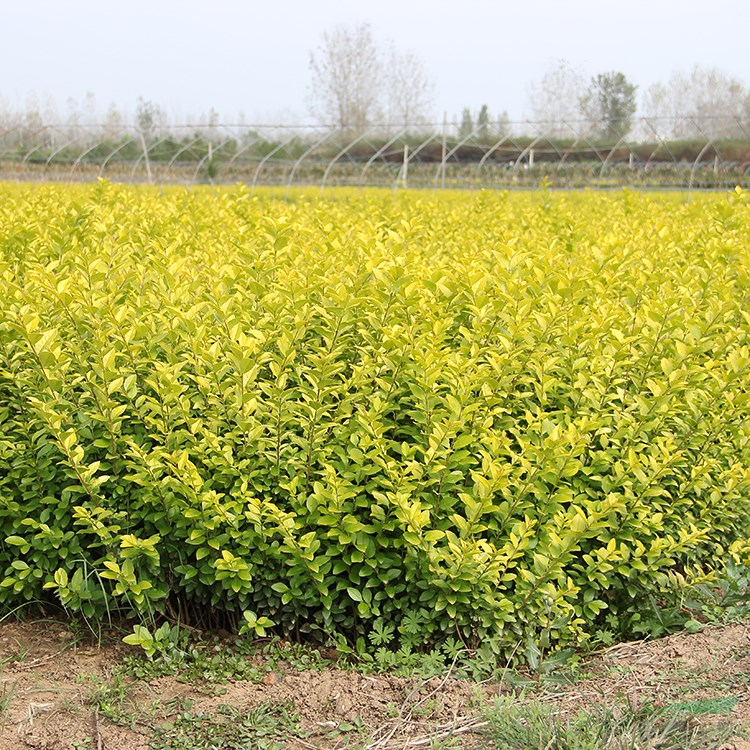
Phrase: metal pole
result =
(145, 156)
(445, 149)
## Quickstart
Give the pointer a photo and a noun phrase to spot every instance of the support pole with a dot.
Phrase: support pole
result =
(445, 149)
(147, 160)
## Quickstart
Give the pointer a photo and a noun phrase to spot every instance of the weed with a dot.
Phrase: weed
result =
(266, 727)
(347, 733)
(111, 698)
(18, 656)
(724, 600)
(199, 663)
(6, 697)
(519, 725)
(275, 651)
(214, 661)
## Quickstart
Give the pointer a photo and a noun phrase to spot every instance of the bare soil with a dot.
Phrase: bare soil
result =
(48, 677)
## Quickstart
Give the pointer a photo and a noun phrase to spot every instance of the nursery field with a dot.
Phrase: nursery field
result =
(391, 421)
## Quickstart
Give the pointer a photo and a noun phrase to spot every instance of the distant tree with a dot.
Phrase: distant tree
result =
(504, 124)
(347, 79)
(73, 120)
(114, 123)
(704, 102)
(409, 94)
(610, 103)
(211, 131)
(466, 128)
(355, 85)
(555, 101)
(32, 133)
(483, 123)
(82, 116)
(660, 108)
(147, 116)
(89, 109)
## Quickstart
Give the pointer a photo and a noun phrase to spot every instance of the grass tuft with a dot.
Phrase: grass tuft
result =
(514, 725)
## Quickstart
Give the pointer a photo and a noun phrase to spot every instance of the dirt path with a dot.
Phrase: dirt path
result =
(50, 683)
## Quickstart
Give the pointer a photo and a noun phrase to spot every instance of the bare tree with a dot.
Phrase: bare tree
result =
(114, 123)
(661, 107)
(555, 100)
(410, 92)
(704, 102)
(82, 116)
(354, 85)
(346, 85)
(33, 132)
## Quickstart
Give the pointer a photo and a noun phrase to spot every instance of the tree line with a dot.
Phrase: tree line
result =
(358, 83)
(354, 86)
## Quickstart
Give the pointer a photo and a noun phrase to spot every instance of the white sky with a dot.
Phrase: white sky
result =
(252, 57)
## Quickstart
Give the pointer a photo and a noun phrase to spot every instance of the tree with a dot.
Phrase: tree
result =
(483, 123)
(354, 85)
(555, 100)
(114, 123)
(82, 116)
(409, 93)
(466, 128)
(610, 103)
(33, 134)
(504, 125)
(347, 79)
(705, 102)
(147, 116)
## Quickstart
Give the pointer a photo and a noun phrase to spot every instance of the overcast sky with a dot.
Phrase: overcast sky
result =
(253, 57)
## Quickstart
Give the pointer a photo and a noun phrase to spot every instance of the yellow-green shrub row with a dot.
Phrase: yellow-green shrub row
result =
(496, 416)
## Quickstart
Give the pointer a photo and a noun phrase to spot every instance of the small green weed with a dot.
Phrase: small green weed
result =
(266, 727)
(276, 651)
(6, 696)
(112, 699)
(171, 651)
(724, 600)
(18, 656)
(199, 663)
(347, 734)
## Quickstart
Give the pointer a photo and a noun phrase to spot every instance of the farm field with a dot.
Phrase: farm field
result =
(395, 422)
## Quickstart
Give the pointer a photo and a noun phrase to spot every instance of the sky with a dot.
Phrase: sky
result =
(251, 58)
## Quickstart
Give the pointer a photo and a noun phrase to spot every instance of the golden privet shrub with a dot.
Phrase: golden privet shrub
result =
(486, 415)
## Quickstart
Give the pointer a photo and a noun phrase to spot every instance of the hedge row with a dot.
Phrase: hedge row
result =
(486, 416)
